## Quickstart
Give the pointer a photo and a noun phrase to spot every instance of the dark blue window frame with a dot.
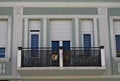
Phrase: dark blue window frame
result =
(34, 45)
(2, 52)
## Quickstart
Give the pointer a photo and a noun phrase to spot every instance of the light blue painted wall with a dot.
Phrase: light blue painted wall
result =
(113, 12)
(59, 11)
(6, 10)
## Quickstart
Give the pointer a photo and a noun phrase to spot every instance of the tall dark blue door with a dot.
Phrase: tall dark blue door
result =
(34, 40)
(66, 53)
(87, 40)
(117, 37)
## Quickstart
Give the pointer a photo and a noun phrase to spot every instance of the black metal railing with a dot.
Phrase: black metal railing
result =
(74, 57)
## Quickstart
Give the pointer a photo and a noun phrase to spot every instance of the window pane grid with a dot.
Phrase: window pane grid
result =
(87, 40)
(117, 42)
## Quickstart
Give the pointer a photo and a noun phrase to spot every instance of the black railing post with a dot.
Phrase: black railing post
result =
(101, 47)
(76, 56)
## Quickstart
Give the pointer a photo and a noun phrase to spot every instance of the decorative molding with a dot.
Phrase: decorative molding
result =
(2, 69)
(7, 54)
(60, 16)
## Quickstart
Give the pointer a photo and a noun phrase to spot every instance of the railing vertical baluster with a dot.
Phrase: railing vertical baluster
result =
(61, 57)
(78, 57)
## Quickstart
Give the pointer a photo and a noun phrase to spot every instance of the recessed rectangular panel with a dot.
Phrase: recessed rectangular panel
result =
(60, 29)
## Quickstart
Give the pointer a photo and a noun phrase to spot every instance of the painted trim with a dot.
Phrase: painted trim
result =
(94, 34)
(27, 33)
(39, 36)
(73, 42)
(60, 4)
(118, 67)
(8, 47)
(112, 36)
(19, 58)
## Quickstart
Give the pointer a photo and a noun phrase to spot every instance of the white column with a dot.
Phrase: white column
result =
(17, 35)
(76, 32)
(44, 32)
(95, 32)
(9, 38)
(26, 33)
(104, 36)
(61, 57)
(0, 68)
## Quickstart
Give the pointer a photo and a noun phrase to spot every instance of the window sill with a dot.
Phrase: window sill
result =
(4, 59)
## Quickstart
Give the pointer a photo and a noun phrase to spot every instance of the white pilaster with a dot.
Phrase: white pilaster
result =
(61, 57)
(17, 35)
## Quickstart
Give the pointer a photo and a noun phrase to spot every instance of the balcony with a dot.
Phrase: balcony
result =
(45, 61)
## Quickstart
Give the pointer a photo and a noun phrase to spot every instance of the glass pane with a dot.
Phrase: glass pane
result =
(2, 52)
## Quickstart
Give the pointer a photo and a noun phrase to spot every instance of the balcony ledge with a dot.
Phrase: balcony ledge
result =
(35, 71)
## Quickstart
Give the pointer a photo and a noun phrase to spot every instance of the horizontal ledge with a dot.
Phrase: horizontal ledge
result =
(4, 59)
(58, 77)
(61, 68)
(60, 4)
